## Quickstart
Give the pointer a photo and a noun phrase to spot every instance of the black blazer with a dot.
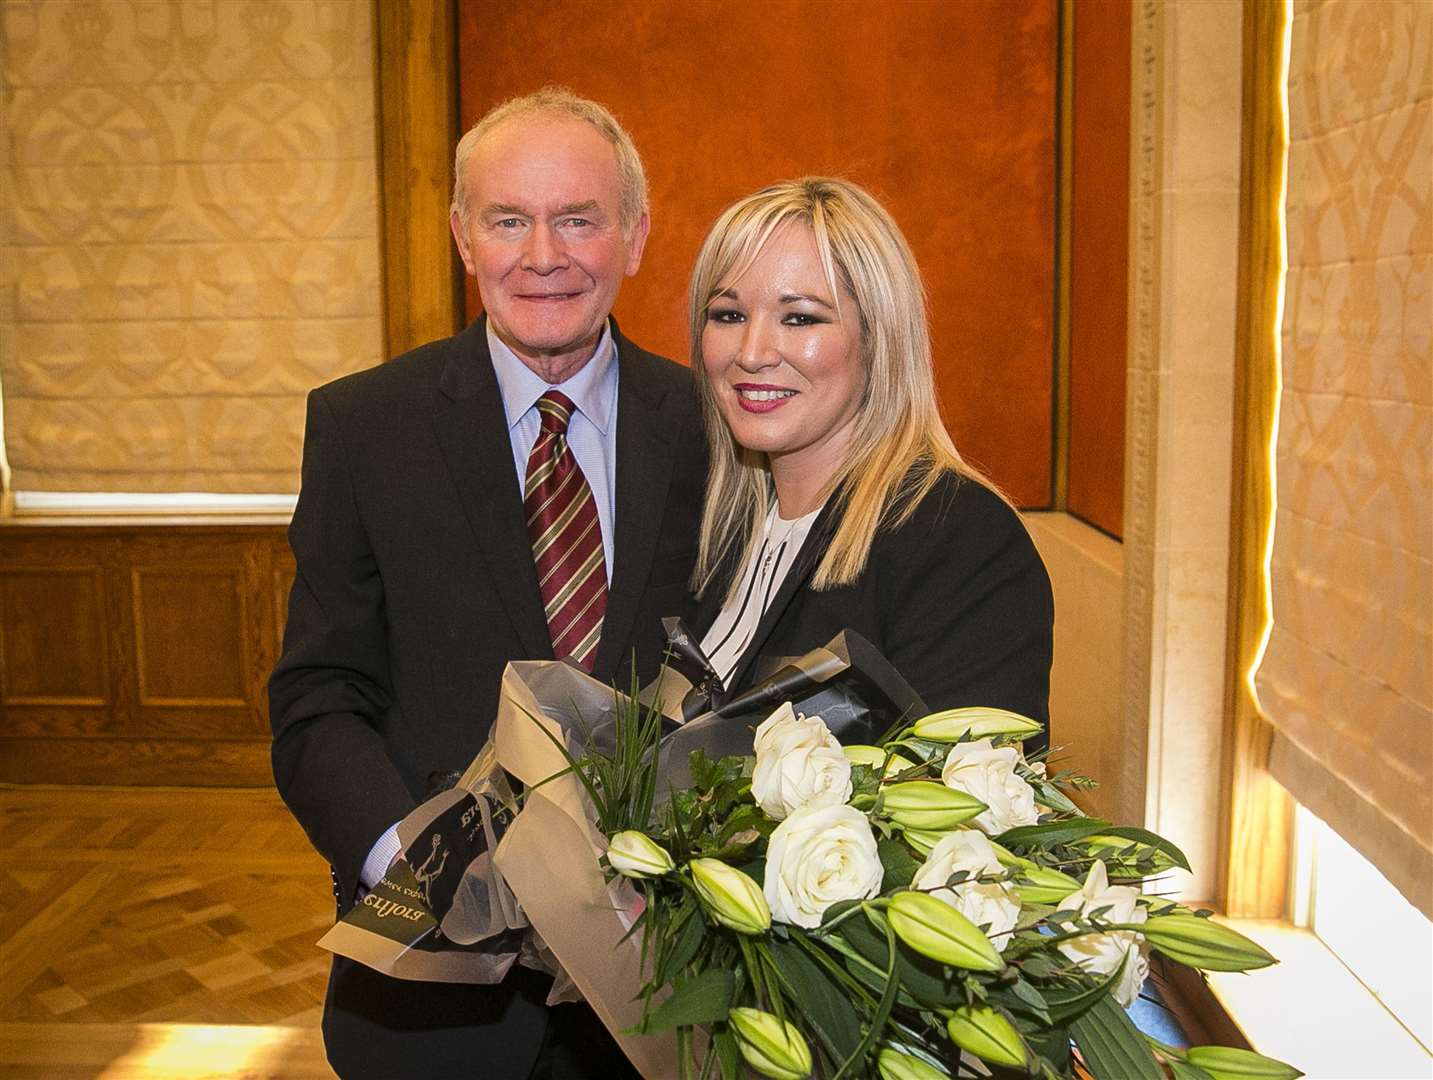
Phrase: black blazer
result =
(415, 586)
(956, 598)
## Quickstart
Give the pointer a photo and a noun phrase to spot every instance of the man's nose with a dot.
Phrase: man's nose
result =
(543, 252)
(759, 346)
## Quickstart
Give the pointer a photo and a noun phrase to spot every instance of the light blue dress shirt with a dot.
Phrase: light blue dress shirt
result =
(591, 432)
(592, 437)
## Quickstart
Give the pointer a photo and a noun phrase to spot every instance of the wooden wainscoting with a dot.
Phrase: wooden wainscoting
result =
(138, 654)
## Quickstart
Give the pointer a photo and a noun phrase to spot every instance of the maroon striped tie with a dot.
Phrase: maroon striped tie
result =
(566, 536)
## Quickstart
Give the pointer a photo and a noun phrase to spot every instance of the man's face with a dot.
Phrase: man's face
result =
(543, 239)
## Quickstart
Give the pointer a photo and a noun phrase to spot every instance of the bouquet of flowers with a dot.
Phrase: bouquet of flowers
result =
(923, 901)
(931, 905)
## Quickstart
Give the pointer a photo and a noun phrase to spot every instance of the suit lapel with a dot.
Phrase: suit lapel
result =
(472, 430)
(796, 580)
(646, 438)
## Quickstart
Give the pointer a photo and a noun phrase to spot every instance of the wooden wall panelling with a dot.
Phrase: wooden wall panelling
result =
(1099, 261)
(199, 634)
(57, 666)
(417, 129)
(56, 654)
(178, 625)
(281, 577)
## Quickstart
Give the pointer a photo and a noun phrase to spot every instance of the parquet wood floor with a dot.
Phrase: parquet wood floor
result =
(158, 933)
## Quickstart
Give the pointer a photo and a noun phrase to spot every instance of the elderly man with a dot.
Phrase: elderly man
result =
(528, 489)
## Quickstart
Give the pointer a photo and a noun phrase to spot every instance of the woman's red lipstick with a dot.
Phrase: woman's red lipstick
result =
(764, 404)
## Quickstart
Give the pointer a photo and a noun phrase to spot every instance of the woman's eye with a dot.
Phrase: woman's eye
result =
(723, 315)
(800, 318)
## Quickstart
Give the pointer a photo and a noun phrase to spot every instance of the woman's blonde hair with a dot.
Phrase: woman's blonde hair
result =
(899, 447)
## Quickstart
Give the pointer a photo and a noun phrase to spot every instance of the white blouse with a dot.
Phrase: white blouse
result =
(771, 560)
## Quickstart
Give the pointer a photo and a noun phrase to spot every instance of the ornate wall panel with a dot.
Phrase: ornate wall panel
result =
(1184, 232)
(1346, 679)
(61, 661)
(139, 654)
(192, 236)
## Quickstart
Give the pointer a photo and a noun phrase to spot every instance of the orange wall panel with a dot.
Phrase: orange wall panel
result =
(945, 111)
(1099, 258)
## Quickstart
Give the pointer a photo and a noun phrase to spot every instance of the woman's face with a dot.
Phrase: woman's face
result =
(784, 366)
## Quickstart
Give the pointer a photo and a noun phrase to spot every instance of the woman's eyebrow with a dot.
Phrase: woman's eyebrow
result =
(796, 298)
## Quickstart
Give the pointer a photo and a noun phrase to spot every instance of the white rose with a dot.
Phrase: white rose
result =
(816, 857)
(989, 774)
(1103, 953)
(798, 763)
(990, 904)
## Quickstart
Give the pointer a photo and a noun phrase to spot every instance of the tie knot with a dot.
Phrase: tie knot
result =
(554, 408)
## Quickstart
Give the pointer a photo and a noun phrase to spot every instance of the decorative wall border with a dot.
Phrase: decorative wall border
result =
(1184, 248)
(1142, 402)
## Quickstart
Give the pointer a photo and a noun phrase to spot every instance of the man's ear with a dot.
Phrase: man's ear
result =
(460, 237)
(637, 243)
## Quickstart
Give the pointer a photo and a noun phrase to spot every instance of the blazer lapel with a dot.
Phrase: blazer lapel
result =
(796, 580)
(646, 438)
(472, 430)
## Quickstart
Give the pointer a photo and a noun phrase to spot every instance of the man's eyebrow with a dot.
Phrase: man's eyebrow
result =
(579, 208)
(503, 209)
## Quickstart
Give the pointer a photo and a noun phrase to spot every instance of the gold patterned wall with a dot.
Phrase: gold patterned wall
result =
(189, 234)
(1347, 680)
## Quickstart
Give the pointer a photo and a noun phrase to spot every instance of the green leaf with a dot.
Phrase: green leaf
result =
(840, 907)
(877, 1021)
(1029, 1000)
(1051, 796)
(900, 865)
(1112, 1046)
(728, 1053)
(925, 980)
(826, 1005)
(685, 945)
(1051, 833)
(1068, 1002)
(1144, 836)
(864, 780)
(702, 999)
(1234, 1063)
(743, 818)
(1182, 1070)
(1050, 1045)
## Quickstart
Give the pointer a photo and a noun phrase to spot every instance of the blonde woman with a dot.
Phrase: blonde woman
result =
(836, 498)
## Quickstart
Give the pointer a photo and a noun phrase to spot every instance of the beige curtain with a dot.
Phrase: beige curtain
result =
(1347, 679)
(190, 236)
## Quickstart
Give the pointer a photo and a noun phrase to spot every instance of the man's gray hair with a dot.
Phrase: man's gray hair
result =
(561, 102)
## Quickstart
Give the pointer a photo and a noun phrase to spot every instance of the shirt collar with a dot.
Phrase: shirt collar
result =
(593, 389)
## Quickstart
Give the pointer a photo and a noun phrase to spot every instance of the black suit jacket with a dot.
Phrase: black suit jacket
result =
(415, 586)
(956, 598)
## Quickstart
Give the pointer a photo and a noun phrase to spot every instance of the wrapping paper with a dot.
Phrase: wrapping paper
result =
(483, 884)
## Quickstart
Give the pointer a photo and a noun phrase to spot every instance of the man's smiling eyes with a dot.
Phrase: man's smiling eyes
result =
(508, 224)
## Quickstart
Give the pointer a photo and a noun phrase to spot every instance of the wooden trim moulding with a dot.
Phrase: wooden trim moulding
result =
(1064, 232)
(1257, 830)
(417, 90)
